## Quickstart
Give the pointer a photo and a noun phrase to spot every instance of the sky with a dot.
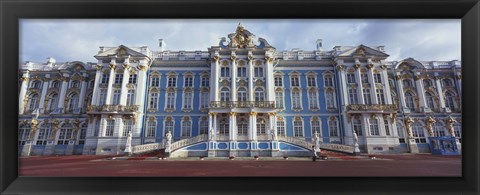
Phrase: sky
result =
(80, 39)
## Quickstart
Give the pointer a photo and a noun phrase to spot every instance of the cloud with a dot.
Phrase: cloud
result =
(72, 39)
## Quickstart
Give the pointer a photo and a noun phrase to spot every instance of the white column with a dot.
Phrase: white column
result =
(458, 79)
(232, 126)
(401, 94)
(103, 127)
(373, 86)
(250, 80)
(234, 80)
(63, 91)
(439, 91)
(43, 95)
(269, 80)
(83, 90)
(118, 127)
(343, 83)
(110, 85)
(215, 124)
(421, 92)
(271, 126)
(386, 84)
(141, 83)
(214, 80)
(23, 92)
(96, 89)
(358, 79)
(253, 122)
(210, 122)
(123, 95)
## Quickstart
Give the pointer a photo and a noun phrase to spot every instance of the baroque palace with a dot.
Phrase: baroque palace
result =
(241, 97)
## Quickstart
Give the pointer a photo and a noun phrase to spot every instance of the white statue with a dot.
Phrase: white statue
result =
(316, 141)
(355, 138)
(168, 141)
(274, 134)
(212, 135)
(128, 145)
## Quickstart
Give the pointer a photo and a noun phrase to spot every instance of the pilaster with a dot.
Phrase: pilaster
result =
(23, 92)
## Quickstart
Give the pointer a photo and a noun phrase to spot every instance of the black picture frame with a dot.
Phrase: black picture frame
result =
(11, 11)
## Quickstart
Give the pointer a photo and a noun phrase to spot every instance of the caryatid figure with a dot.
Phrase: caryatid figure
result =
(450, 122)
(429, 122)
(408, 123)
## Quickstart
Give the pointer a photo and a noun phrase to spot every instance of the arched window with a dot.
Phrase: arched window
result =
(72, 102)
(279, 99)
(52, 102)
(457, 127)
(430, 100)
(298, 128)
(409, 101)
(316, 126)
(75, 84)
(224, 94)
(259, 95)
(110, 128)
(333, 128)
(43, 134)
(204, 126)
(55, 84)
(261, 126)
(329, 99)
(281, 127)
(242, 127)
(418, 133)
(296, 100)
(224, 126)
(153, 103)
(88, 100)
(447, 83)
(401, 132)
(427, 83)
(439, 130)
(374, 130)
(23, 134)
(83, 134)
(242, 94)
(33, 102)
(65, 134)
(186, 127)
(169, 125)
(449, 100)
(313, 99)
(407, 83)
(151, 128)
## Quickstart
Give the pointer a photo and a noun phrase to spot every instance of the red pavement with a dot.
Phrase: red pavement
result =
(385, 165)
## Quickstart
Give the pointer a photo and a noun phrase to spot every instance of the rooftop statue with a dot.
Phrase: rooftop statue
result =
(242, 38)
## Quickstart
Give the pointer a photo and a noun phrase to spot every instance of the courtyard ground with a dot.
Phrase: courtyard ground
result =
(383, 165)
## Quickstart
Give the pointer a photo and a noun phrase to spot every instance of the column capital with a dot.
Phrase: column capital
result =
(383, 67)
(250, 58)
(437, 77)
(112, 66)
(215, 59)
(370, 66)
(340, 67)
(356, 66)
(126, 66)
(98, 67)
(269, 59)
(272, 114)
(25, 79)
(458, 77)
(212, 113)
(232, 113)
(398, 77)
(418, 77)
(233, 58)
(253, 113)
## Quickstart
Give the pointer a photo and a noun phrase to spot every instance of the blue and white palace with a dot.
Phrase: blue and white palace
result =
(241, 97)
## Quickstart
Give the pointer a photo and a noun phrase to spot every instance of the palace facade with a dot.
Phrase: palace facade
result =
(241, 97)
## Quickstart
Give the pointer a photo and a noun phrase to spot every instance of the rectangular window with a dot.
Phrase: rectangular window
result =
(118, 78)
(64, 136)
(103, 97)
(352, 96)
(205, 82)
(258, 71)
(133, 79)
(278, 82)
(169, 126)
(380, 96)
(333, 128)
(311, 82)
(316, 128)
(374, 127)
(131, 97)
(105, 78)
(401, 135)
(43, 135)
(298, 128)
(296, 101)
(83, 135)
(186, 128)
(203, 127)
(155, 82)
(312, 100)
(329, 99)
(116, 97)
(351, 78)
(127, 127)
(280, 128)
(295, 82)
(387, 128)
(152, 128)
(224, 72)
(328, 81)
(357, 127)
(109, 130)
(172, 82)
(377, 77)
(188, 82)
(367, 97)
(364, 78)
(242, 72)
